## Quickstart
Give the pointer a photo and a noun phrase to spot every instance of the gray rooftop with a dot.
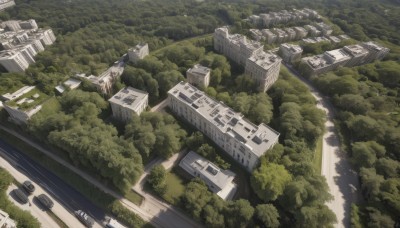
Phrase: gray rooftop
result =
(199, 70)
(292, 48)
(129, 97)
(209, 171)
(257, 138)
(264, 59)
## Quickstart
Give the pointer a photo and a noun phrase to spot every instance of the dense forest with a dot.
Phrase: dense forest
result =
(92, 34)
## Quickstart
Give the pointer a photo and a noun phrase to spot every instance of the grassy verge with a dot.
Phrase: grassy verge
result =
(175, 188)
(318, 156)
(134, 197)
(97, 196)
(57, 219)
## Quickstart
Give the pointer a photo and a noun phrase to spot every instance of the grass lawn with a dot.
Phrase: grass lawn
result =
(175, 188)
(318, 156)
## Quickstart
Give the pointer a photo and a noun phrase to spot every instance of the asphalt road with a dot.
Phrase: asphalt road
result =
(70, 198)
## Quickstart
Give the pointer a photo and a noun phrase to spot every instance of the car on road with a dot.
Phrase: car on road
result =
(45, 201)
(84, 218)
(29, 187)
(21, 196)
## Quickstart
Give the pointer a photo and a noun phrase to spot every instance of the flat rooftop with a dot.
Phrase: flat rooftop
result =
(337, 55)
(199, 70)
(129, 97)
(292, 48)
(264, 59)
(210, 172)
(355, 50)
(257, 138)
(27, 98)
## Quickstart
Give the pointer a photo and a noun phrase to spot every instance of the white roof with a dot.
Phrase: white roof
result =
(129, 97)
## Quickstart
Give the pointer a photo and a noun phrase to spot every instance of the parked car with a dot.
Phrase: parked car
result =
(21, 196)
(46, 201)
(29, 187)
(84, 218)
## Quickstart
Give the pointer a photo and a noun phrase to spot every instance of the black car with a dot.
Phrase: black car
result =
(84, 218)
(21, 196)
(46, 201)
(29, 187)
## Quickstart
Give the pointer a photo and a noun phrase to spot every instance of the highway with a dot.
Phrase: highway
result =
(70, 198)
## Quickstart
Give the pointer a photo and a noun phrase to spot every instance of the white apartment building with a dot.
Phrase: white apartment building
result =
(199, 75)
(312, 31)
(29, 24)
(300, 32)
(6, 4)
(291, 33)
(138, 52)
(271, 37)
(23, 104)
(219, 181)
(5, 221)
(349, 56)
(376, 52)
(263, 68)
(127, 102)
(357, 53)
(290, 53)
(238, 137)
(281, 36)
(324, 28)
(13, 61)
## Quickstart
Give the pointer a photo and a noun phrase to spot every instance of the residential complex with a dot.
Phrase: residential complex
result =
(261, 66)
(282, 17)
(219, 181)
(127, 102)
(238, 137)
(105, 81)
(6, 4)
(23, 103)
(138, 52)
(290, 53)
(20, 42)
(349, 56)
(199, 75)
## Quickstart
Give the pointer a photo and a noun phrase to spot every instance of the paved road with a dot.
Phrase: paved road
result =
(341, 179)
(152, 210)
(44, 219)
(70, 198)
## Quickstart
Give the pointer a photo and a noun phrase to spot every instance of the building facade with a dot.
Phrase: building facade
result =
(238, 137)
(128, 102)
(262, 67)
(290, 53)
(199, 75)
(138, 52)
(219, 181)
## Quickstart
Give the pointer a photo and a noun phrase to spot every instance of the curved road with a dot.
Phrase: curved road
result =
(341, 179)
(70, 198)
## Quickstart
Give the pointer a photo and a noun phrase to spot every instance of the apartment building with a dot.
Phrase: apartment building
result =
(13, 61)
(357, 53)
(199, 75)
(270, 36)
(300, 32)
(4, 4)
(138, 52)
(219, 181)
(312, 31)
(23, 104)
(290, 53)
(324, 28)
(127, 102)
(262, 67)
(375, 51)
(282, 17)
(238, 137)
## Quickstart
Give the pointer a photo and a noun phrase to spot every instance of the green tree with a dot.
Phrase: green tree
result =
(157, 178)
(269, 181)
(268, 215)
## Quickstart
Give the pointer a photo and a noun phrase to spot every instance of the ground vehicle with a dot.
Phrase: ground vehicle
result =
(84, 218)
(21, 196)
(29, 187)
(45, 201)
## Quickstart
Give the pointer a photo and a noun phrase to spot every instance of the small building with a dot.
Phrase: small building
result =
(300, 32)
(23, 104)
(328, 61)
(324, 28)
(138, 52)
(5, 221)
(71, 84)
(127, 102)
(219, 181)
(199, 75)
(312, 31)
(290, 53)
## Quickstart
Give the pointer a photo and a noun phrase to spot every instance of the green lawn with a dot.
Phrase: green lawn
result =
(133, 197)
(175, 188)
(318, 156)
